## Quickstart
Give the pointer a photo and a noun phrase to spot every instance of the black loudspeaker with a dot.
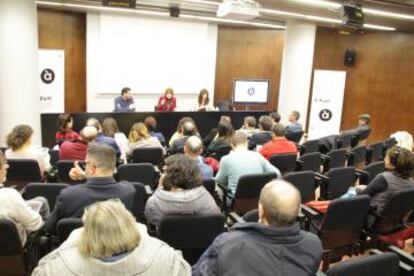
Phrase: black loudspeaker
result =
(175, 12)
(349, 59)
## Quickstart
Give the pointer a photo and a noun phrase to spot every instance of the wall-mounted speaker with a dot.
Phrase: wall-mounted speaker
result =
(175, 12)
(349, 58)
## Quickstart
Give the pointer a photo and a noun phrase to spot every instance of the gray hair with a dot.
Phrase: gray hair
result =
(194, 144)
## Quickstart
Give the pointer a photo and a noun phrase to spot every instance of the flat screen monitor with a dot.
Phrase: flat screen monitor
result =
(251, 91)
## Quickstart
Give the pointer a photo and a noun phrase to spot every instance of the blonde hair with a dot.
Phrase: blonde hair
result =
(404, 139)
(138, 132)
(109, 229)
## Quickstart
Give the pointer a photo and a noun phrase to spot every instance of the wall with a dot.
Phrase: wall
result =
(67, 30)
(380, 82)
(248, 53)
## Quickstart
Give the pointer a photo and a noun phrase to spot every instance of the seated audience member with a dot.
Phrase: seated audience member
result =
(225, 106)
(112, 243)
(224, 133)
(102, 138)
(180, 191)
(188, 130)
(274, 245)
(275, 116)
(151, 125)
(14, 208)
(140, 138)
(167, 102)
(125, 102)
(264, 134)
(65, 125)
(76, 150)
(19, 141)
(364, 125)
(279, 144)
(240, 162)
(110, 129)
(204, 101)
(179, 131)
(193, 148)
(404, 140)
(399, 163)
(213, 132)
(294, 126)
(100, 185)
(249, 126)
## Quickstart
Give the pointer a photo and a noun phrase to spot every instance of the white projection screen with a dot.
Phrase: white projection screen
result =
(149, 54)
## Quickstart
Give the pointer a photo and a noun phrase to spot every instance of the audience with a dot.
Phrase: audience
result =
(151, 125)
(275, 116)
(279, 144)
(19, 141)
(102, 138)
(76, 149)
(100, 185)
(179, 132)
(140, 138)
(264, 134)
(193, 148)
(65, 125)
(180, 191)
(167, 102)
(112, 243)
(294, 126)
(274, 245)
(224, 133)
(249, 126)
(110, 129)
(404, 140)
(240, 162)
(188, 129)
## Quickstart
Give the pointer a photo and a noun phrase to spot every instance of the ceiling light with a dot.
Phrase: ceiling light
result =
(320, 3)
(230, 21)
(205, 2)
(379, 27)
(388, 14)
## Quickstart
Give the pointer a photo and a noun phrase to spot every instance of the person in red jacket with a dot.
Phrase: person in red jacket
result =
(77, 149)
(167, 102)
(65, 125)
(279, 144)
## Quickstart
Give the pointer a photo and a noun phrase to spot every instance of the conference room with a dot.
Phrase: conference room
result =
(206, 137)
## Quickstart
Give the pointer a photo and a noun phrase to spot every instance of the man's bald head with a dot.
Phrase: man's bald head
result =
(193, 146)
(279, 204)
(89, 134)
(189, 129)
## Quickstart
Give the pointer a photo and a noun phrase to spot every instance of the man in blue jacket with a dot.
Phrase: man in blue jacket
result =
(125, 102)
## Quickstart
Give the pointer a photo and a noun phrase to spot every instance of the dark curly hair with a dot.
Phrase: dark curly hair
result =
(402, 160)
(19, 136)
(181, 172)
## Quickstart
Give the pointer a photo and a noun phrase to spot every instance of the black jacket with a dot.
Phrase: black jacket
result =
(255, 249)
(259, 138)
(72, 201)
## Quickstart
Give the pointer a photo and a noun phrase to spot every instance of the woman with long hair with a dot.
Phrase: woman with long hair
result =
(167, 102)
(139, 137)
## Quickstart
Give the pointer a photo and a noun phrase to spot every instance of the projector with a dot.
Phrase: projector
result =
(352, 16)
(239, 9)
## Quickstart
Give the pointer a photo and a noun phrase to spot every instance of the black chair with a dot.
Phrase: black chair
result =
(210, 185)
(305, 182)
(54, 157)
(309, 146)
(221, 151)
(66, 226)
(335, 159)
(374, 265)
(191, 234)
(295, 136)
(338, 182)
(389, 143)
(141, 172)
(142, 193)
(64, 167)
(375, 151)
(12, 260)
(23, 171)
(147, 155)
(251, 216)
(48, 190)
(284, 162)
(345, 139)
(363, 134)
(371, 171)
(311, 162)
(358, 156)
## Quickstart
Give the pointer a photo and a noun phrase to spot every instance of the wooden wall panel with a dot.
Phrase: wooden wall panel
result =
(381, 81)
(67, 30)
(248, 53)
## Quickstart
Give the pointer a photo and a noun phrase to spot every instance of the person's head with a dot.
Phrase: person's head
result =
(20, 136)
(88, 134)
(278, 130)
(203, 97)
(225, 130)
(3, 168)
(151, 123)
(239, 141)
(400, 161)
(126, 93)
(109, 127)
(265, 123)
(294, 116)
(94, 123)
(181, 123)
(138, 132)
(169, 93)
(275, 116)
(404, 139)
(189, 129)
(100, 161)
(364, 119)
(65, 122)
(250, 122)
(279, 204)
(108, 229)
(193, 147)
(181, 172)
(225, 119)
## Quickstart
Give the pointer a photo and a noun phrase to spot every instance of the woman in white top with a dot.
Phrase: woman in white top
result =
(139, 137)
(204, 101)
(110, 129)
(19, 141)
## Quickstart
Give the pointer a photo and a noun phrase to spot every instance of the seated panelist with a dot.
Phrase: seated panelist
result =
(125, 102)
(167, 102)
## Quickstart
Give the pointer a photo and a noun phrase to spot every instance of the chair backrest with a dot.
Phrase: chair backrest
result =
(373, 170)
(48, 190)
(295, 136)
(337, 158)
(11, 251)
(191, 234)
(151, 155)
(358, 156)
(343, 221)
(140, 201)
(304, 181)
(210, 185)
(375, 151)
(251, 216)
(340, 179)
(345, 139)
(248, 191)
(54, 157)
(284, 162)
(137, 172)
(311, 162)
(374, 265)
(310, 146)
(64, 167)
(389, 143)
(66, 226)
(23, 171)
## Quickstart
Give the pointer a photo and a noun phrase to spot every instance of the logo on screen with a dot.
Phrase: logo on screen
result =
(325, 115)
(47, 76)
(251, 91)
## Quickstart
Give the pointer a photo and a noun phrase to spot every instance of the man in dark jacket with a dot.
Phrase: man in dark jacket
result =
(100, 185)
(265, 132)
(273, 246)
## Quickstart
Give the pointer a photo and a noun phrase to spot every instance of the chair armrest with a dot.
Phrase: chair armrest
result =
(148, 190)
(402, 255)
(309, 212)
(362, 175)
(235, 217)
(321, 177)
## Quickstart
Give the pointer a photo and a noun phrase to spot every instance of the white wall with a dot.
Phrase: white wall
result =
(148, 55)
